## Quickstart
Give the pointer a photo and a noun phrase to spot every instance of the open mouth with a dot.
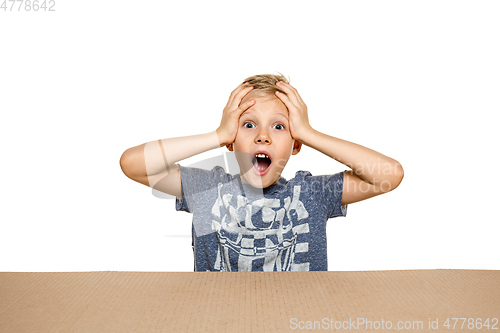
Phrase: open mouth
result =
(261, 163)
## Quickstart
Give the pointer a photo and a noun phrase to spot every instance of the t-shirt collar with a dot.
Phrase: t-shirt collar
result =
(254, 191)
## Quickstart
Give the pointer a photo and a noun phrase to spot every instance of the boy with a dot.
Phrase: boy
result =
(256, 220)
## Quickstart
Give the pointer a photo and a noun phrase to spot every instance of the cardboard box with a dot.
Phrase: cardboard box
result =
(367, 301)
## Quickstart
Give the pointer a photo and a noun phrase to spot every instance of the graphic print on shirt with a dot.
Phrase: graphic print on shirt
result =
(262, 234)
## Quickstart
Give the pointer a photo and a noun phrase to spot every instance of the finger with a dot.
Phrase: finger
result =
(245, 106)
(235, 92)
(236, 113)
(285, 99)
(289, 86)
(291, 91)
(239, 97)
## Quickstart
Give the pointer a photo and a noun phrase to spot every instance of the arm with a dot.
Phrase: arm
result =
(372, 173)
(153, 163)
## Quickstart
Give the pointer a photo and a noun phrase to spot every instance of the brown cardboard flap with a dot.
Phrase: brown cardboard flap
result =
(249, 302)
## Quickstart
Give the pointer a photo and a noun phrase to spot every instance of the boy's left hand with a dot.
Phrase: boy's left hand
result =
(297, 111)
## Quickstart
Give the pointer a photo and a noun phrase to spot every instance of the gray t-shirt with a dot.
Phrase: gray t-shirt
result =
(237, 227)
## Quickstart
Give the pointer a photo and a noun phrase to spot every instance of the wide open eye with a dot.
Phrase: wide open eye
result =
(279, 127)
(248, 125)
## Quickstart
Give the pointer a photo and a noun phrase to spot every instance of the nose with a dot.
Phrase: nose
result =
(263, 137)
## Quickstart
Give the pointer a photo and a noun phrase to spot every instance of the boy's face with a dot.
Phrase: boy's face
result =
(263, 143)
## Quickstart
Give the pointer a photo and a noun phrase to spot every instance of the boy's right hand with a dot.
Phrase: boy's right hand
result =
(231, 115)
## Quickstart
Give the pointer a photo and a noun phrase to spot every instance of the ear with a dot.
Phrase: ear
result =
(229, 147)
(296, 147)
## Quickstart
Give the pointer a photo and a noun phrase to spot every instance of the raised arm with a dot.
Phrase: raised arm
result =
(372, 172)
(153, 163)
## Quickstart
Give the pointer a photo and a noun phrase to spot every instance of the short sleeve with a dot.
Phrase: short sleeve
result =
(337, 185)
(197, 185)
(327, 191)
(181, 203)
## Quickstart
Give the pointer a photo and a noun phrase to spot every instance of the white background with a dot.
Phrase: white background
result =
(417, 81)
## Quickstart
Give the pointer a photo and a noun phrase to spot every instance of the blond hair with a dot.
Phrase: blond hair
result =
(266, 83)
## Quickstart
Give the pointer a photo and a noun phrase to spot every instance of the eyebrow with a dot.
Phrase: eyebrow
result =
(278, 113)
